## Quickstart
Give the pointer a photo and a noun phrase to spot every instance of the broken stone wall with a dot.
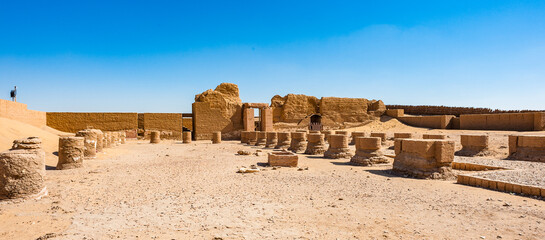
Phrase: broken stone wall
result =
(504, 121)
(218, 110)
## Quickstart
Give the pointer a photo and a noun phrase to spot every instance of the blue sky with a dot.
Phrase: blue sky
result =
(154, 56)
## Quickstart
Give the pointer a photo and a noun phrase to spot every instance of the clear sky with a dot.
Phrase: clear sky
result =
(154, 56)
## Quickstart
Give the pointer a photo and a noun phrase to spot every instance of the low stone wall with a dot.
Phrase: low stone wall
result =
(534, 121)
(395, 113)
(473, 145)
(501, 186)
(528, 148)
(435, 122)
(424, 158)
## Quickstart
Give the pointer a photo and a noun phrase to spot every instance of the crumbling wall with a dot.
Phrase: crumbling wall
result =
(297, 108)
(504, 121)
(19, 112)
(74, 121)
(218, 110)
(292, 108)
(436, 122)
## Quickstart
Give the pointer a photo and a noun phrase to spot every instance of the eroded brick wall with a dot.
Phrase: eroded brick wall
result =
(75, 121)
(20, 112)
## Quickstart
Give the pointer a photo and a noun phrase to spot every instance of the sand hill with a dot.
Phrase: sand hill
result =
(12, 129)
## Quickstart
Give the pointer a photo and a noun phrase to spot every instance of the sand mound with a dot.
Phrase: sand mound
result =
(11, 130)
(385, 124)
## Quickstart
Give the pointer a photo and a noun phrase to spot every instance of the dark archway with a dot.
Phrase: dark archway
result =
(315, 122)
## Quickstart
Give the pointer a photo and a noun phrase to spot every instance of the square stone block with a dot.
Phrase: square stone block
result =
(474, 140)
(532, 141)
(424, 148)
(283, 159)
(517, 188)
(444, 151)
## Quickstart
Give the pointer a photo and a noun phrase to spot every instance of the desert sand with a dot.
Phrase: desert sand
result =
(192, 191)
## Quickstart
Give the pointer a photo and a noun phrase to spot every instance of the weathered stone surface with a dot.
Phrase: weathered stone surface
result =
(252, 137)
(284, 140)
(327, 133)
(338, 147)
(292, 108)
(382, 136)
(283, 159)
(527, 148)
(434, 136)
(474, 145)
(355, 135)
(216, 138)
(403, 135)
(186, 137)
(71, 152)
(244, 136)
(272, 139)
(424, 158)
(298, 142)
(22, 171)
(261, 139)
(27, 143)
(91, 141)
(368, 152)
(155, 137)
(218, 110)
(316, 144)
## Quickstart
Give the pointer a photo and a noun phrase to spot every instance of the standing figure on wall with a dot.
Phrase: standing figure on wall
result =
(13, 94)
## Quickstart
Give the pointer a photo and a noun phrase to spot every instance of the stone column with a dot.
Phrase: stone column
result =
(244, 137)
(216, 137)
(327, 133)
(155, 137)
(284, 140)
(368, 152)
(186, 137)
(338, 147)
(355, 135)
(252, 138)
(71, 152)
(22, 170)
(298, 142)
(272, 140)
(91, 139)
(261, 139)
(316, 144)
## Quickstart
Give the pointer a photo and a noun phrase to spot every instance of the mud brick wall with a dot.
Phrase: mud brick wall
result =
(162, 121)
(19, 112)
(207, 120)
(504, 121)
(75, 121)
(339, 110)
(436, 122)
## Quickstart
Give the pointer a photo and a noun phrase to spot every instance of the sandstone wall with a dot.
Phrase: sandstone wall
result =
(75, 121)
(19, 112)
(297, 108)
(218, 110)
(504, 121)
(436, 122)
(292, 108)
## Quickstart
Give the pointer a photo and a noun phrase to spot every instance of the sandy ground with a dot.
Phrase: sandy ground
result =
(192, 191)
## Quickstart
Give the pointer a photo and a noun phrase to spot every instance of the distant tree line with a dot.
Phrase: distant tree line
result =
(457, 111)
